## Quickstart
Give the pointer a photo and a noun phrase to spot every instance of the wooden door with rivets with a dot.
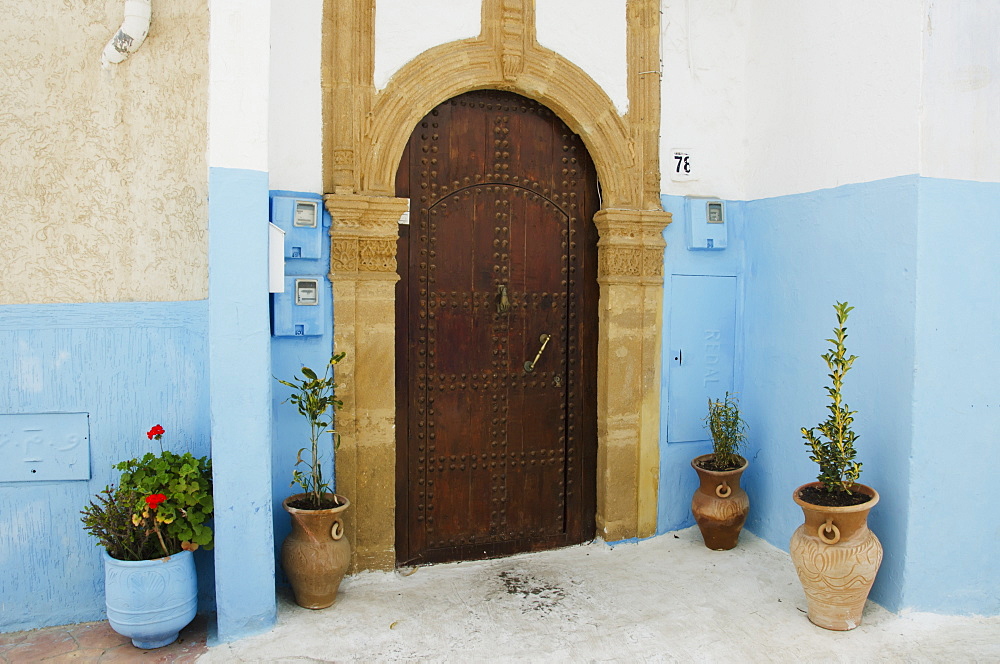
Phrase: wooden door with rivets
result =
(496, 333)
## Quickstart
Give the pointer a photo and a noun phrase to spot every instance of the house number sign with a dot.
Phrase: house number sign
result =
(683, 166)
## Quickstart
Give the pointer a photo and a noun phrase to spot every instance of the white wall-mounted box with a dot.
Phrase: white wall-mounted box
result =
(275, 259)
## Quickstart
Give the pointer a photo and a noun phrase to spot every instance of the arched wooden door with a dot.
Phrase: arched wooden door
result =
(496, 333)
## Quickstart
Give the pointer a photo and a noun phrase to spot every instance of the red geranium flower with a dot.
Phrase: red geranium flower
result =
(154, 500)
(155, 432)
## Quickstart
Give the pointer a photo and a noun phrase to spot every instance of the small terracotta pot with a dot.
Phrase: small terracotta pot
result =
(719, 505)
(315, 555)
(836, 558)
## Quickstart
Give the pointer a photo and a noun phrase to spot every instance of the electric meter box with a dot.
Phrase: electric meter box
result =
(301, 311)
(302, 221)
(706, 224)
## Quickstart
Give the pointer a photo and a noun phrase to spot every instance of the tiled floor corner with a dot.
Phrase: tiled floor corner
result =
(90, 643)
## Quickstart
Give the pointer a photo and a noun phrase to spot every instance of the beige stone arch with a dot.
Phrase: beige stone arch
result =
(545, 76)
(364, 132)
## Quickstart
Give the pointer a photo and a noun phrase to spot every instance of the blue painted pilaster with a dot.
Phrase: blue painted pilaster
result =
(240, 380)
(950, 554)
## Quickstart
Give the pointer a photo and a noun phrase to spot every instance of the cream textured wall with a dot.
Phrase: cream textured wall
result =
(103, 172)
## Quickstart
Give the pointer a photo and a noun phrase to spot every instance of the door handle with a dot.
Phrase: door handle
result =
(530, 365)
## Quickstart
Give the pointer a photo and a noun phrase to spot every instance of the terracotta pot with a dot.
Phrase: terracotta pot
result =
(315, 555)
(836, 557)
(719, 505)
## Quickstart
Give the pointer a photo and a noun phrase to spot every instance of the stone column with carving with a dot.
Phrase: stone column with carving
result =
(630, 274)
(363, 237)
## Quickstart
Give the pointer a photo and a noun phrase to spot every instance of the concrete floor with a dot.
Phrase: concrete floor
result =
(665, 599)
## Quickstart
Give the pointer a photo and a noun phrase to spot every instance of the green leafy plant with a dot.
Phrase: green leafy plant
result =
(729, 431)
(833, 447)
(316, 398)
(108, 517)
(161, 506)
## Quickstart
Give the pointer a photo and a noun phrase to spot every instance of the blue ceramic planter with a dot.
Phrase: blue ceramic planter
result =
(150, 601)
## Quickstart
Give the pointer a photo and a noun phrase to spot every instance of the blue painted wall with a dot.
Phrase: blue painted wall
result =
(677, 479)
(804, 252)
(917, 258)
(951, 543)
(130, 366)
(288, 355)
(240, 380)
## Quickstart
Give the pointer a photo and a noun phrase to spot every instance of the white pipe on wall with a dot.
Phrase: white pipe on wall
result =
(131, 34)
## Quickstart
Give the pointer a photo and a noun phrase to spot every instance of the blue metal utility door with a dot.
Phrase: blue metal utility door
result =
(702, 348)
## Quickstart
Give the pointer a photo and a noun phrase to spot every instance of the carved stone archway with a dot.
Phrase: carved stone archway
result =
(364, 132)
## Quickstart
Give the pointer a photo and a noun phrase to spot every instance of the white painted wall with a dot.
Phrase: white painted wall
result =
(239, 61)
(295, 138)
(591, 34)
(769, 97)
(404, 29)
(704, 95)
(833, 93)
(773, 98)
(960, 124)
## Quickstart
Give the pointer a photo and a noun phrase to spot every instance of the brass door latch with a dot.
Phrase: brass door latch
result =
(530, 365)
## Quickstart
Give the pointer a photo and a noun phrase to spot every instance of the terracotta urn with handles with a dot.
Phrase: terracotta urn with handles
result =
(836, 557)
(719, 505)
(315, 555)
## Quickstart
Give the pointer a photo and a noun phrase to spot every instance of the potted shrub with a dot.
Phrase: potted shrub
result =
(835, 554)
(315, 555)
(719, 505)
(149, 525)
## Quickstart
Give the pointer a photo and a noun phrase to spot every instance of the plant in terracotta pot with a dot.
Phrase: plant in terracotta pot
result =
(315, 555)
(719, 505)
(149, 525)
(835, 554)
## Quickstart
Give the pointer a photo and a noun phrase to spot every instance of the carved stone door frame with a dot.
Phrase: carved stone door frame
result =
(364, 135)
